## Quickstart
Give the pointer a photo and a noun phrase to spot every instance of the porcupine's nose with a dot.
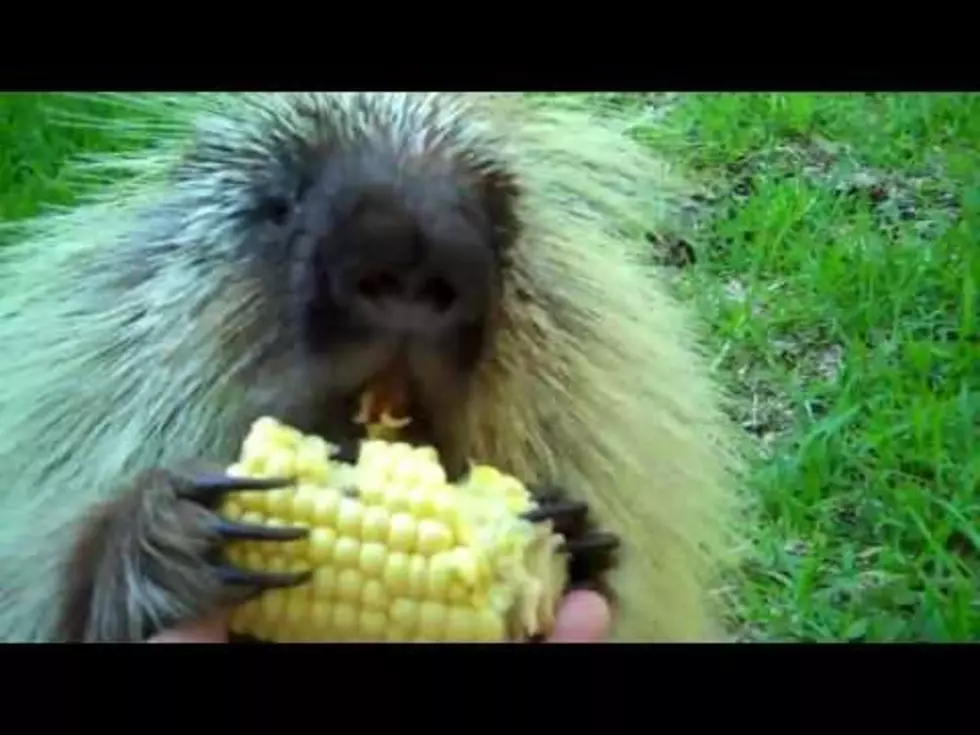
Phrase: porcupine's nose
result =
(419, 293)
(412, 277)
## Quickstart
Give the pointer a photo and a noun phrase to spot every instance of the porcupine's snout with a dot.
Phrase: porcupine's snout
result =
(394, 270)
(407, 282)
(410, 269)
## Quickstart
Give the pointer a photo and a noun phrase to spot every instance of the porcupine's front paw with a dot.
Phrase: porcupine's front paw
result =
(150, 559)
(591, 552)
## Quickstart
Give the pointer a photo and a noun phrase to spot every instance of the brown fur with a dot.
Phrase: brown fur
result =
(143, 536)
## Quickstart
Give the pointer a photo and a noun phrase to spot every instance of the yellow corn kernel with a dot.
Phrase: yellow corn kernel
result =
(432, 620)
(405, 613)
(320, 544)
(373, 492)
(461, 624)
(325, 508)
(375, 524)
(401, 533)
(443, 507)
(373, 558)
(324, 582)
(234, 511)
(372, 625)
(418, 574)
(297, 608)
(273, 605)
(344, 621)
(318, 625)
(304, 503)
(349, 583)
(374, 595)
(346, 552)
(350, 514)
(397, 552)
(433, 537)
(396, 573)
(394, 633)
(440, 574)
(396, 499)
(466, 565)
(420, 502)
(280, 464)
(457, 593)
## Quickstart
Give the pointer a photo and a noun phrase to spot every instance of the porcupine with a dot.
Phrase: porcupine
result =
(268, 255)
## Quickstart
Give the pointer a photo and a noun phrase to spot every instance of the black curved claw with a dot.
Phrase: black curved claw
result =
(252, 532)
(547, 494)
(207, 488)
(591, 543)
(590, 552)
(558, 511)
(348, 451)
(262, 580)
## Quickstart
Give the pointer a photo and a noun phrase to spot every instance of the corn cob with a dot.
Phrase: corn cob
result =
(399, 553)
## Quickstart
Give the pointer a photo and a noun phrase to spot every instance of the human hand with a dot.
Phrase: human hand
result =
(584, 617)
(211, 630)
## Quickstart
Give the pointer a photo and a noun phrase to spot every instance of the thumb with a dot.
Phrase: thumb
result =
(584, 617)
(209, 630)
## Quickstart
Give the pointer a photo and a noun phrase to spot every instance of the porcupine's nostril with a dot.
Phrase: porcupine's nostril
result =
(386, 290)
(438, 293)
(404, 273)
(379, 286)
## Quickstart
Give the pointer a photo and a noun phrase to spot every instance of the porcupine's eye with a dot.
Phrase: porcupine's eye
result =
(277, 204)
(276, 210)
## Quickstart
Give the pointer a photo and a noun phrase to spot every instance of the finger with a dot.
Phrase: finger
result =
(584, 617)
(212, 630)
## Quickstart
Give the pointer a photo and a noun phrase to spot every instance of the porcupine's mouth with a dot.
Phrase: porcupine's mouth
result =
(388, 405)
(415, 398)
(346, 394)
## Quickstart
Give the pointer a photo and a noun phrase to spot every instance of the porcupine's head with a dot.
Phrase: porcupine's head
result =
(369, 232)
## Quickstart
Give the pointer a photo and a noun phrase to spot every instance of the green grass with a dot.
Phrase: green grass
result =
(839, 267)
(34, 145)
(837, 261)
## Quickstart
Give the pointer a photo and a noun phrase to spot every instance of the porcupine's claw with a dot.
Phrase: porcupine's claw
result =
(591, 543)
(590, 552)
(347, 451)
(251, 532)
(561, 513)
(207, 490)
(262, 581)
